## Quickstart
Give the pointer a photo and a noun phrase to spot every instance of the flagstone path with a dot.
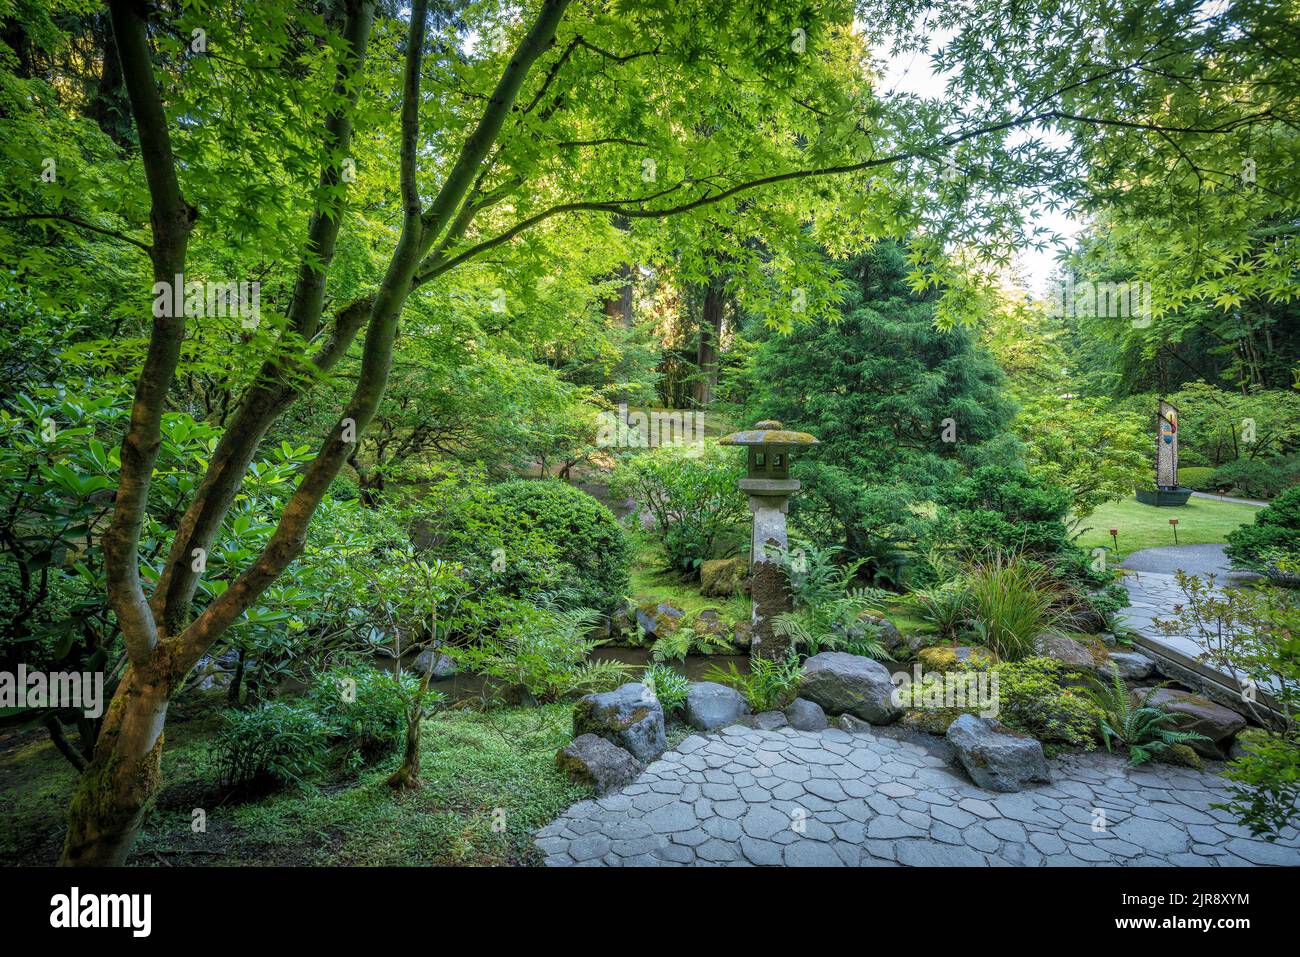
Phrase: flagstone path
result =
(885, 798)
(1153, 588)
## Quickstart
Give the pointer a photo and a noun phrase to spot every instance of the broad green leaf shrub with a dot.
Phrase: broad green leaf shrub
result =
(1273, 536)
(350, 716)
(588, 549)
(278, 743)
(365, 706)
(691, 493)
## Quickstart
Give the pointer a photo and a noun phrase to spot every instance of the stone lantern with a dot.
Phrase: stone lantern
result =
(768, 484)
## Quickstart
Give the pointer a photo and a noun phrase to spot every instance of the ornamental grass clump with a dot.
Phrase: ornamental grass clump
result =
(1010, 602)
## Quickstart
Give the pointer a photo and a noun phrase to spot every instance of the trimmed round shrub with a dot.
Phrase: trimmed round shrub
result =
(1197, 477)
(1274, 534)
(559, 540)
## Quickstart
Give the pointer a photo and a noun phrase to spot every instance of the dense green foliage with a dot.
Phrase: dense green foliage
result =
(578, 534)
(690, 493)
(472, 231)
(1004, 509)
(877, 386)
(1273, 537)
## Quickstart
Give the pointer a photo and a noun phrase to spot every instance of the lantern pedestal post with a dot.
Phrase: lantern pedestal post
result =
(768, 486)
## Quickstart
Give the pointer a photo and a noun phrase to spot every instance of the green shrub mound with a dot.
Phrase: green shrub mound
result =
(690, 492)
(1274, 535)
(558, 539)
(1035, 700)
(1199, 478)
(1000, 508)
(349, 717)
(1257, 478)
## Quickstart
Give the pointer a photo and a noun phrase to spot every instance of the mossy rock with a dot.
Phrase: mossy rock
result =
(710, 622)
(950, 658)
(930, 720)
(659, 618)
(1181, 755)
(723, 577)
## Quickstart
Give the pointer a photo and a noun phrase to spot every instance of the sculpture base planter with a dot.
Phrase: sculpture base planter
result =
(1164, 497)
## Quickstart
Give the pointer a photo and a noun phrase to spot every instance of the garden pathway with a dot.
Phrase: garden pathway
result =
(1153, 590)
(884, 798)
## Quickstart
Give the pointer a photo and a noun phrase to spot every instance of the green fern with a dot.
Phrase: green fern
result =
(835, 624)
(769, 684)
(676, 645)
(1141, 726)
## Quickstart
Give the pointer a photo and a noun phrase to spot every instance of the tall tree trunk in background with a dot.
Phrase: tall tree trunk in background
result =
(706, 354)
(108, 107)
(618, 307)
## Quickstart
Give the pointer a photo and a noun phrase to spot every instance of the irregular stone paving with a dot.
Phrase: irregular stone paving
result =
(748, 797)
(1153, 589)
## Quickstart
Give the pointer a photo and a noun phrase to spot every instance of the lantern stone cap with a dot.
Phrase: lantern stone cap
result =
(768, 432)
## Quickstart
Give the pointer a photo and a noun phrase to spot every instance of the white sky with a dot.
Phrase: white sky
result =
(913, 73)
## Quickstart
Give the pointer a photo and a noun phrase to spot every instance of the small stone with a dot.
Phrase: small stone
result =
(805, 715)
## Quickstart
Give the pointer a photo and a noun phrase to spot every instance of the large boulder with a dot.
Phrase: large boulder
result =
(1131, 665)
(723, 577)
(659, 618)
(600, 764)
(1199, 715)
(710, 705)
(995, 757)
(630, 717)
(850, 684)
(950, 657)
(1074, 655)
(805, 715)
(434, 663)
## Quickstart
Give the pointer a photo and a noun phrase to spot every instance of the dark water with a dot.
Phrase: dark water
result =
(693, 668)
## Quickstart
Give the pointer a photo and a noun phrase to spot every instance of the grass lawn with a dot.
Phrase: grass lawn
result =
(651, 583)
(489, 781)
(1200, 522)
